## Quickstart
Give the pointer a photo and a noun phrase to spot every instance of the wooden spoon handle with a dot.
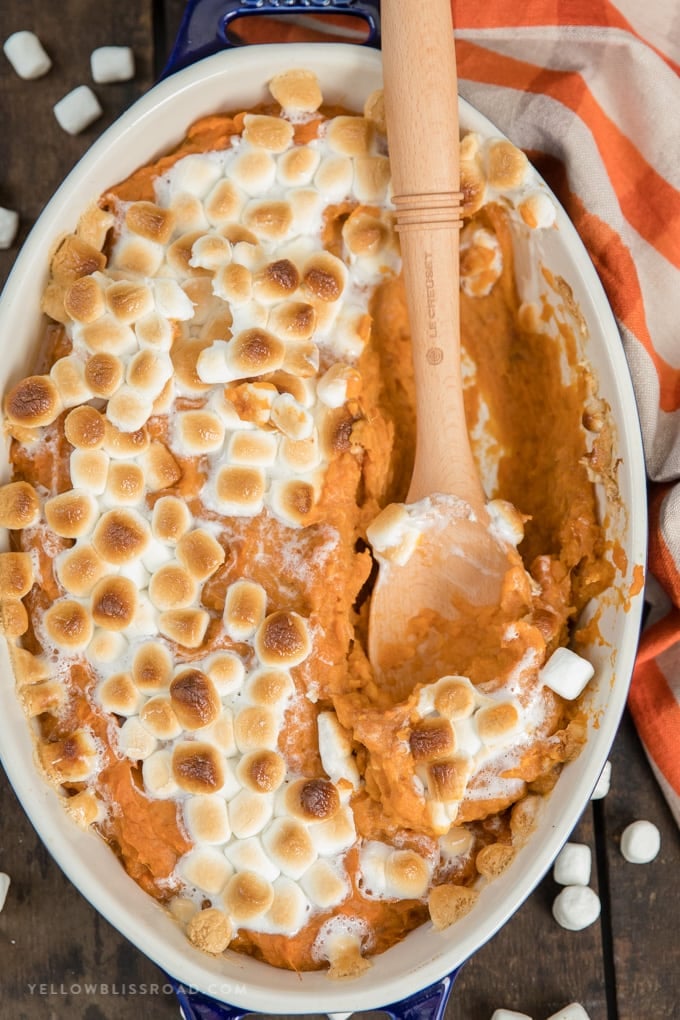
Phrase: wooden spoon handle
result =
(421, 107)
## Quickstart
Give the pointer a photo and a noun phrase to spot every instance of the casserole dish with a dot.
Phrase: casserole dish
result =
(346, 75)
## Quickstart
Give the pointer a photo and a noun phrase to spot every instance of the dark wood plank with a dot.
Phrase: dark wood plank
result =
(645, 898)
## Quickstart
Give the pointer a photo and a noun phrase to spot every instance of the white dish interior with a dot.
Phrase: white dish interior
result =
(347, 75)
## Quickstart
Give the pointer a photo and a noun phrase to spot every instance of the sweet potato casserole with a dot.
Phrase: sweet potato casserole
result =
(222, 407)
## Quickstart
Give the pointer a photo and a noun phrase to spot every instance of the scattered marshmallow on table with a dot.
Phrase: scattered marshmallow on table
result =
(640, 842)
(26, 55)
(509, 1014)
(566, 673)
(573, 864)
(112, 63)
(77, 110)
(4, 886)
(9, 224)
(576, 907)
(574, 1011)
(604, 782)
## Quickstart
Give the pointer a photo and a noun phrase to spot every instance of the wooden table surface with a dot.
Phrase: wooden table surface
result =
(52, 943)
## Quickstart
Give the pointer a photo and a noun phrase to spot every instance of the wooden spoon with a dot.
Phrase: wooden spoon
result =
(458, 564)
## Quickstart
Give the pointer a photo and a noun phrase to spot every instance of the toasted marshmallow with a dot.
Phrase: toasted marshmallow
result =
(84, 808)
(576, 907)
(33, 402)
(507, 166)
(374, 110)
(454, 697)
(296, 91)
(198, 767)
(121, 536)
(251, 353)
(114, 603)
(371, 178)
(172, 302)
(336, 384)
(350, 136)
(27, 668)
(158, 716)
(123, 445)
(106, 646)
(256, 729)
(252, 402)
(129, 409)
(200, 431)
(68, 625)
(269, 687)
(69, 375)
(170, 520)
(253, 170)
(221, 734)
(172, 587)
(446, 779)
(271, 133)
(94, 225)
(150, 221)
(640, 842)
(136, 743)
(495, 723)
(248, 855)
(283, 640)
(196, 174)
(71, 514)
(407, 875)
(247, 896)
(261, 771)
(573, 864)
(276, 281)
(223, 204)
(84, 300)
(252, 449)
(289, 909)
(289, 846)
(200, 553)
(154, 331)
(152, 667)
(158, 774)
(210, 930)
(27, 55)
(180, 254)
(299, 455)
(312, 800)
(325, 885)
(45, 696)
(75, 258)
(240, 490)
(16, 574)
(333, 835)
(210, 251)
(107, 335)
(297, 166)
(129, 301)
(125, 484)
(194, 699)
(160, 468)
(13, 618)
(71, 759)
(334, 177)
(291, 418)
(455, 843)
(118, 694)
(226, 671)
(103, 373)
(207, 820)
(293, 320)
(292, 501)
(325, 276)
(206, 868)
(232, 283)
(335, 749)
(19, 505)
(85, 428)
(186, 627)
(245, 606)
(249, 813)
(269, 219)
(566, 673)
(393, 534)
(148, 372)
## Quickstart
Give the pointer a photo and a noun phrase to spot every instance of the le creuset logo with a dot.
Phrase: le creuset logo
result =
(129, 989)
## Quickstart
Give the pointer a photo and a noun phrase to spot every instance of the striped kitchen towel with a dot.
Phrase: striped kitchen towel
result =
(591, 88)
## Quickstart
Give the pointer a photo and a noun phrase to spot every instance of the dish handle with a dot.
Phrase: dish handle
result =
(427, 1004)
(205, 25)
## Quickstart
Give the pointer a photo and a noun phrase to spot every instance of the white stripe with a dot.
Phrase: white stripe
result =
(658, 22)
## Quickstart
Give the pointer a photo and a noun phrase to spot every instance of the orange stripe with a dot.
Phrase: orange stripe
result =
(657, 716)
(661, 561)
(471, 14)
(655, 216)
(659, 637)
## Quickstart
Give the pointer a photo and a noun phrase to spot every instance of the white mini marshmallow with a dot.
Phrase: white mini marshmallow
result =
(112, 63)
(573, 865)
(640, 842)
(77, 110)
(509, 1014)
(135, 741)
(26, 55)
(9, 225)
(4, 887)
(602, 786)
(574, 1011)
(576, 907)
(171, 301)
(566, 673)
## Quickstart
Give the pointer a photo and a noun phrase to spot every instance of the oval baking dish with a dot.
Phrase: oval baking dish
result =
(347, 75)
